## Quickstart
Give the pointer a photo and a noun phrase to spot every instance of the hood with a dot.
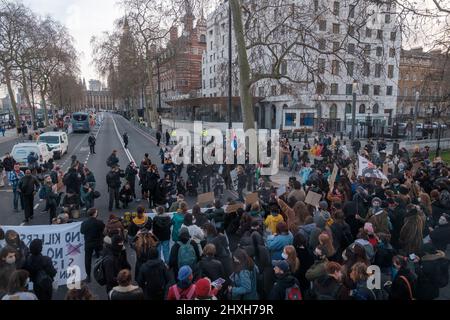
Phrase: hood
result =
(140, 221)
(320, 221)
(286, 281)
(433, 257)
(154, 262)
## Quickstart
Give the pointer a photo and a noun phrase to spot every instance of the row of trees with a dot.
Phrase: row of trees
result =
(37, 55)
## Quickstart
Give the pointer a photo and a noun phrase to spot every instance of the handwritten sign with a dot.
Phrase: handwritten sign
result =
(205, 198)
(251, 198)
(313, 198)
(234, 207)
(333, 176)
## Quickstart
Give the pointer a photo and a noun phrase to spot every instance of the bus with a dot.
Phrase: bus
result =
(80, 122)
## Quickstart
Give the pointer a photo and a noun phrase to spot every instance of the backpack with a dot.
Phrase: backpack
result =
(186, 255)
(293, 293)
(43, 280)
(99, 271)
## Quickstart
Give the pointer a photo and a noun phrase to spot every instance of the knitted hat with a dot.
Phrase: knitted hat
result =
(184, 273)
(281, 264)
(323, 205)
(203, 288)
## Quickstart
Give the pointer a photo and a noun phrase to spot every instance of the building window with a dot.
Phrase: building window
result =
(215, 83)
(365, 89)
(210, 58)
(210, 70)
(322, 25)
(392, 53)
(336, 46)
(202, 38)
(367, 50)
(334, 88)
(379, 51)
(351, 48)
(368, 33)
(351, 11)
(366, 69)
(222, 53)
(320, 88)
(362, 108)
(348, 108)
(333, 111)
(316, 5)
(349, 89)
(351, 31)
(376, 108)
(350, 66)
(204, 84)
(380, 34)
(307, 119)
(387, 18)
(321, 66)
(223, 39)
(336, 28)
(211, 83)
(290, 119)
(284, 67)
(211, 47)
(322, 44)
(261, 91)
(390, 71)
(335, 67)
(393, 35)
(203, 71)
(378, 68)
(376, 90)
(273, 90)
(389, 90)
(336, 6)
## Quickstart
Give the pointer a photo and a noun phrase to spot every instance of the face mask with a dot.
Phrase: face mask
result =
(284, 256)
(418, 200)
(11, 260)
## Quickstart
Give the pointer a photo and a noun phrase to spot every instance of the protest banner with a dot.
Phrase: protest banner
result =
(368, 170)
(205, 198)
(251, 198)
(333, 176)
(234, 179)
(313, 198)
(234, 207)
(64, 244)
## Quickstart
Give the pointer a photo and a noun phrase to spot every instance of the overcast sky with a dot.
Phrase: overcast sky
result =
(84, 19)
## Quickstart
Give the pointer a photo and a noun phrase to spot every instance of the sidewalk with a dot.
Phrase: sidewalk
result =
(9, 135)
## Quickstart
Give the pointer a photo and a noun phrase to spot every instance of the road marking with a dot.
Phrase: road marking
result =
(142, 132)
(7, 191)
(127, 152)
(36, 206)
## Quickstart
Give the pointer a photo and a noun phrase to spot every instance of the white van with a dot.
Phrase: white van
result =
(21, 151)
(58, 142)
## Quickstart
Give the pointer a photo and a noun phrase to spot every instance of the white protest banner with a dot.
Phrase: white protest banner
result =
(368, 170)
(333, 176)
(64, 244)
(234, 179)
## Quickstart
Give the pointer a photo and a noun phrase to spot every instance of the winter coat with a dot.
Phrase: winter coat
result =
(281, 285)
(6, 270)
(317, 270)
(222, 252)
(130, 173)
(139, 224)
(129, 293)
(113, 180)
(14, 178)
(114, 262)
(272, 221)
(173, 257)
(92, 229)
(28, 185)
(154, 278)
(72, 181)
(432, 275)
(327, 288)
(441, 237)
(399, 288)
(177, 221)
(276, 244)
(161, 227)
(244, 285)
(8, 164)
(211, 268)
(35, 264)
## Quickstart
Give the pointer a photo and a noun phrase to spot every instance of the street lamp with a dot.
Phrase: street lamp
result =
(230, 61)
(415, 115)
(355, 87)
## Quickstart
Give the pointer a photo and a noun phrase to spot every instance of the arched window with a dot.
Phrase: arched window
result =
(362, 108)
(202, 38)
(348, 108)
(376, 108)
(333, 111)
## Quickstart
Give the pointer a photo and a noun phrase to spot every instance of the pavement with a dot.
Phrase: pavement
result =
(108, 138)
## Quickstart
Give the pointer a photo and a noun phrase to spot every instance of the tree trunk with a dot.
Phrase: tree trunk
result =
(12, 97)
(44, 105)
(27, 98)
(244, 67)
(151, 106)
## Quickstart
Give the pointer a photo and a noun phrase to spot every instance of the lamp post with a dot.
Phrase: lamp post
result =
(355, 87)
(416, 109)
(230, 61)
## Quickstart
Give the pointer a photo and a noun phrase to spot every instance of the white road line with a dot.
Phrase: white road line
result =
(36, 206)
(127, 152)
(145, 134)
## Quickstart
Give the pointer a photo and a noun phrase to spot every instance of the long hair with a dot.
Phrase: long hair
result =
(294, 262)
(80, 294)
(326, 242)
(425, 201)
(301, 213)
(144, 241)
(18, 281)
(244, 261)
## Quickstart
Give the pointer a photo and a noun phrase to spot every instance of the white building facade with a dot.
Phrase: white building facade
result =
(344, 44)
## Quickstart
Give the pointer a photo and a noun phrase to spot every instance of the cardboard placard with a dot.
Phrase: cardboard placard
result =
(313, 198)
(205, 198)
(333, 176)
(251, 198)
(234, 207)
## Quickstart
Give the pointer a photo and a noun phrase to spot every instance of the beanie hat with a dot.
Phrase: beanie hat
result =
(203, 288)
(376, 199)
(184, 273)
(320, 221)
(323, 205)
(281, 264)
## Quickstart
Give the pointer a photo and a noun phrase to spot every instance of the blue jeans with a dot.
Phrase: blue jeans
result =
(165, 249)
(16, 199)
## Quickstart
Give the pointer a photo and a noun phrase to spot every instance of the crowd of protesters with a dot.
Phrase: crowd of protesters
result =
(280, 247)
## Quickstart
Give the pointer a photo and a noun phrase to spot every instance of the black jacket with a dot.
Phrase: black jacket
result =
(441, 237)
(211, 268)
(327, 288)
(113, 179)
(130, 173)
(72, 181)
(114, 262)
(281, 285)
(28, 185)
(154, 278)
(34, 264)
(92, 229)
(129, 293)
(8, 164)
(112, 160)
(161, 227)
(432, 275)
(399, 289)
(91, 141)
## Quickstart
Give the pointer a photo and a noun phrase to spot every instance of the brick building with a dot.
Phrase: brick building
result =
(426, 74)
(180, 62)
